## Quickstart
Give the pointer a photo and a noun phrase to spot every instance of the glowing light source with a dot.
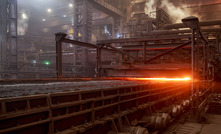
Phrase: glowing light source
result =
(43, 19)
(49, 10)
(70, 5)
(24, 16)
(79, 34)
(161, 79)
(47, 63)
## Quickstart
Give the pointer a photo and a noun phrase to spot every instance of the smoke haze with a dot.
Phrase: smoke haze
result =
(23, 22)
(149, 6)
(175, 13)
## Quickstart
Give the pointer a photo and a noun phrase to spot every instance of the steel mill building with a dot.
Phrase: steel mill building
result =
(110, 66)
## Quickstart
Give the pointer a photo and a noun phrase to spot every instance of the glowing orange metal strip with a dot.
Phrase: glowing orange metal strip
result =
(161, 79)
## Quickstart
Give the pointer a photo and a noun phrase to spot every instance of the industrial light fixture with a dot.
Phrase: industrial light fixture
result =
(24, 16)
(49, 10)
(70, 5)
(47, 63)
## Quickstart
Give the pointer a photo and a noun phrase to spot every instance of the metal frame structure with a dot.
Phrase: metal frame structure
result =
(8, 40)
(83, 17)
(125, 109)
(60, 38)
(87, 111)
(145, 42)
(176, 39)
(83, 21)
(162, 18)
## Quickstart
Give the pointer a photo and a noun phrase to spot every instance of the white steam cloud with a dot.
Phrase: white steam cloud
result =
(23, 22)
(175, 13)
(149, 6)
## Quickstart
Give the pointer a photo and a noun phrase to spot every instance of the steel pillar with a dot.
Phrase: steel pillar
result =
(82, 30)
(193, 23)
(193, 60)
(98, 62)
(144, 52)
(8, 40)
(59, 37)
(83, 21)
(169, 51)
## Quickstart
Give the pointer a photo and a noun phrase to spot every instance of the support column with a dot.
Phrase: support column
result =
(193, 60)
(8, 39)
(144, 52)
(83, 21)
(58, 38)
(98, 62)
(193, 23)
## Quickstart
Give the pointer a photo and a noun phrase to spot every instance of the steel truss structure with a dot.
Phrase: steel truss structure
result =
(8, 40)
(127, 109)
(199, 62)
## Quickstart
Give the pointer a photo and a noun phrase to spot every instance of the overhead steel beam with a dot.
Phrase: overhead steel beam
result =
(155, 48)
(149, 60)
(166, 32)
(202, 23)
(108, 8)
(79, 43)
(122, 52)
(60, 38)
(156, 38)
(169, 66)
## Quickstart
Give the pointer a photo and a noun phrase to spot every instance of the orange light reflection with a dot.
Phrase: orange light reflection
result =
(161, 79)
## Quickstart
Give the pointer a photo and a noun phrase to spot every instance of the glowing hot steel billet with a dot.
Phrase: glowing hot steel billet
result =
(161, 79)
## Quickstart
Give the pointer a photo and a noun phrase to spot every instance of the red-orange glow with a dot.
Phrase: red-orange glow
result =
(161, 79)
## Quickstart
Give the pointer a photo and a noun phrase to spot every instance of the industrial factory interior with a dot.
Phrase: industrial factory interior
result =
(110, 66)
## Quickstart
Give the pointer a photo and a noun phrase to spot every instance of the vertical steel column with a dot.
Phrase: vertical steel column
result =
(8, 38)
(98, 62)
(144, 52)
(207, 65)
(83, 21)
(12, 38)
(193, 60)
(204, 63)
(158, 16)
(193, 23)
(82, 32)
(2, 31)
(197, 59)
(58, 58)
(58, 38)
(217, 40)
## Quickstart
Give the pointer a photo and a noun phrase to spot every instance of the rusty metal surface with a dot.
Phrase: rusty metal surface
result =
(82, 111)
(166, 32)
(137, 49)
(202, 23)
(156, 38)
(32, 87)
(169, 51)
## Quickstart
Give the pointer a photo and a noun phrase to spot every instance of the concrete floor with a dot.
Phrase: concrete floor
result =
(212, 126)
